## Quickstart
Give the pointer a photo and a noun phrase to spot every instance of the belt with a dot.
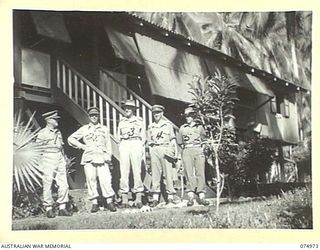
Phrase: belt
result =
(52, 151)
(160, 144)
(132, 138)
(192, 146)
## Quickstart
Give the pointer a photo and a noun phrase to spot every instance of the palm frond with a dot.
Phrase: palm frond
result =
(26, 154)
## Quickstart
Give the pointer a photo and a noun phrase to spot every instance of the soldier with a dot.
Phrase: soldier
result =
(190, 138)
(131, 134)
(163, 148)
(96, 158)
(54, 165)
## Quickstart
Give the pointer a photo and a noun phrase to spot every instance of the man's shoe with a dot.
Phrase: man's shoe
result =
(190, 202)
(139, 205)
(64, 212)
(170, 201)
(203, 202)
(111, 207)
(154, 203)
(124, 205)
(50, 214)
(95, 208)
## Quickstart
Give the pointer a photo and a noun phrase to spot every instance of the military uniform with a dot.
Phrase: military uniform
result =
(190, 137)
(96, 156)
(131, 136)
(160, 135)
(53, 164)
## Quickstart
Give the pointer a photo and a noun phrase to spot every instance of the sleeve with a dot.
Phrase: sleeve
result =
(179, 137)
(143, 133)
(40, 137)
(148, 136)
(73, 140)
(202, 133)
(108, 148)
(172, 134)
(119, 137)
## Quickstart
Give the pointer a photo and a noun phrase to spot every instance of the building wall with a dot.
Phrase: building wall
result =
(278, 126)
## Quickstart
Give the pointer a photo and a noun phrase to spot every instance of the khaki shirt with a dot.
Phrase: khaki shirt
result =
(131, 128)
(160, 133)
(96, 143)
(191, 135)
(51, 138)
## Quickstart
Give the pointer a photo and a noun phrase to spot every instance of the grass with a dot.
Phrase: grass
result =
(291, 210)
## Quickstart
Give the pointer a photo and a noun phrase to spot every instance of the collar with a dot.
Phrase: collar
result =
(91, 125)
(54, 130)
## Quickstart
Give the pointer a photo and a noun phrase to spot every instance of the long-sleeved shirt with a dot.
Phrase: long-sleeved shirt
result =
(96, 143)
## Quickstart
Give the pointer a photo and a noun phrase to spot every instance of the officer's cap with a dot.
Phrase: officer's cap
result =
(129, 103)
(93, 111)
(51, 115)
(189, 111)
(157, 108)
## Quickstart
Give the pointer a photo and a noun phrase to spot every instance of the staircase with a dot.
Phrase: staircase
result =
(76, 93)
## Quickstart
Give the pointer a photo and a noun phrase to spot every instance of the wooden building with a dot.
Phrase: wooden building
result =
(71, 60)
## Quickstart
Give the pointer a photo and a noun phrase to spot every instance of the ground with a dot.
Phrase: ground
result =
(289, 210)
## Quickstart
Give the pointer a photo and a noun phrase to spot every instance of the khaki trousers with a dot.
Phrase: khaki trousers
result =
(194, 166)
(160, 165)
(131, 152)
(92, 171)
(54, 168)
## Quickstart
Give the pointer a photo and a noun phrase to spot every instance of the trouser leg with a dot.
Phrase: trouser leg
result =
(136, 160)
(156, 170)
(188, 164)
(200, 170)
(104, 176)
(48, 173)
(168, 173)
(124, 166)
(91, 177)
(61, 180)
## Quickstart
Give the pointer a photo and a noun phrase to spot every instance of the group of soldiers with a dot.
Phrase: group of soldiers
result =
(94, 140)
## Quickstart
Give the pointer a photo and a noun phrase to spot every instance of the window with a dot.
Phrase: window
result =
(280, 105)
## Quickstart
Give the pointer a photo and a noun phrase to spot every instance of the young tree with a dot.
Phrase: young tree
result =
(213, 101)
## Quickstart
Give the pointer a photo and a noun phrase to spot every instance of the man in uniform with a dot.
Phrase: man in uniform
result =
(54, 165)
(96, 158)
(190, 138)
(131, 134)
(163, 148)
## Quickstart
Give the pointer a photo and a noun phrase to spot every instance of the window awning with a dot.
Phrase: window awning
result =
(123, 46)
(109, 84)
(168, 69)
(239, 78)
(51, 24)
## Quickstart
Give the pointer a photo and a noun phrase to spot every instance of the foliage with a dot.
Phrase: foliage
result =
(286, 211)
(213, 102)
(26, 154)
(27, 203)
(277, 42)
(255, 158)
(302, 155)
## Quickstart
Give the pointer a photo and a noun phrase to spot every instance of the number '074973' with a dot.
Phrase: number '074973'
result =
(308, 246)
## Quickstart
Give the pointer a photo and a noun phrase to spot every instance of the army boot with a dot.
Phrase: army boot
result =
(138, 201)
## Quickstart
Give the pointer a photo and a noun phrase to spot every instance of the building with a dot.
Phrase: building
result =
(71, 60)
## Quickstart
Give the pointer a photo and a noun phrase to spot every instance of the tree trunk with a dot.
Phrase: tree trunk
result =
(216, 163)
